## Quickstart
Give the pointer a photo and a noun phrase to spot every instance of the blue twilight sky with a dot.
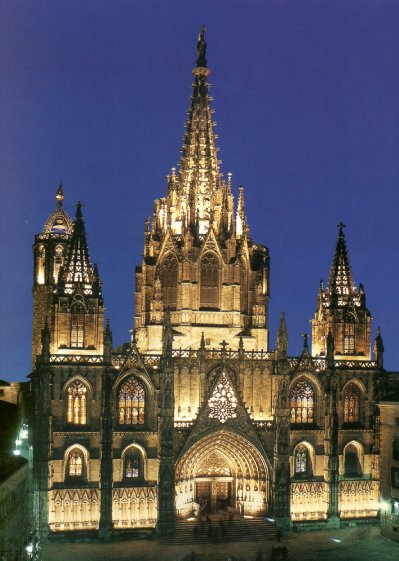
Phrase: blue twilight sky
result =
(306, 95)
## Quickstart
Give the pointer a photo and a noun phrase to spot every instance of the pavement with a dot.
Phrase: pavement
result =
(349, 544)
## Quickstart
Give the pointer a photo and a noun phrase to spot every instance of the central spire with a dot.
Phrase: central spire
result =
(199, 173)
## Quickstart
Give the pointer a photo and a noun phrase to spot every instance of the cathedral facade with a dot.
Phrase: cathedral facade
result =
(199, 413)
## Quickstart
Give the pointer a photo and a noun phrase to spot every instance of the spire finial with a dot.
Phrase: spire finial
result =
(60, 194)
(201, 48)
(341, 226)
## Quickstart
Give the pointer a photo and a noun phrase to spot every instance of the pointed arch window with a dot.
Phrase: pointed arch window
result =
(302, 462)
(209, 279)
(352, 404)
(77, 403)
(58, 260)
(76, 463)
(77, 326)
(133, 465)
(169, 271)
(349, 338)
(302, 402)
(41, 264)
(131, 401)
(352, 467)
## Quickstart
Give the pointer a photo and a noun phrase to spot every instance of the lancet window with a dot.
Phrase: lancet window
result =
(75, 463)
(302, 402)
(349, 338)
(41, 260)
(352, 404)
(131, 402)
(352, 467)
(77, 326)
(133, 464)
(210, 271)
(302, 462)
(58, 260)
(169, 271)
(77, 403)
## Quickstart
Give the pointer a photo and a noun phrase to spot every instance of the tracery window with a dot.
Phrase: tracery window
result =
(349, 338)
(58, 260)
(302, 403)
(133, 464)
(169, 282)
(75, 463)
(223, 402)
(131, 402)
(352, 404)
(352, 466)
(209, 291)
(302, 466)
(76, 408)
(77, 326)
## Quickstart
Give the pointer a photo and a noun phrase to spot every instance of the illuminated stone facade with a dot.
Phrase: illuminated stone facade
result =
(389, 415)
(197, 414)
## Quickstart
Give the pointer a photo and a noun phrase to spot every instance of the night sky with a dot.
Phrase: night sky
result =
(306, 97)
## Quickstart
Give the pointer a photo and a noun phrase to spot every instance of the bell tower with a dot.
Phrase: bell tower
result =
(49, 254)
(78, 308)
(341, 311)
(200, 262)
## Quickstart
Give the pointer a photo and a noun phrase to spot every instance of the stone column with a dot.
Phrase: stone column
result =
(166, 488)
(281, 474)
(106, 475)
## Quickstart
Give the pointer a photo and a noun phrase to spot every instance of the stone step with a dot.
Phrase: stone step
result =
(243, 530)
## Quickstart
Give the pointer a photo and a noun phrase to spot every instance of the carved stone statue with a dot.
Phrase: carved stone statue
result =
(201, 48)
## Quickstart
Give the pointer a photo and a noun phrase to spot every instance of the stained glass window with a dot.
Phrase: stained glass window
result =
(302, 402)
(352, 404)
(209, 293)
(169, 282)
(223, 402)
(301, 461)
(76, 408)
(131, 402)
(75, 463)
(133, 464)
(77, 326)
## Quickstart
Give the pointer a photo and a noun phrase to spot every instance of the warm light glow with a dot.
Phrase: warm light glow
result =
(223, 402)
(76, 408)
(131, 402)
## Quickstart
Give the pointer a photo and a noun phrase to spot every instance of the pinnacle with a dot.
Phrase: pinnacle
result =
(341, 281)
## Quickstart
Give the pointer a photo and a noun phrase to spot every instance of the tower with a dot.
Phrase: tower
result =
(200, 262)
(49, 255)
(78, 309)
(341, 310)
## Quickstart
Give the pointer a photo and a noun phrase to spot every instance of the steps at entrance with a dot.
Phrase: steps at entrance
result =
(191, 532)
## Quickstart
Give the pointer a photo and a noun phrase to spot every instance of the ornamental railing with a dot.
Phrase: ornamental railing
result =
(76, 359)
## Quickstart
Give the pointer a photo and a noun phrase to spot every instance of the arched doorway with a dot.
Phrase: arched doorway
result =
(222, 471)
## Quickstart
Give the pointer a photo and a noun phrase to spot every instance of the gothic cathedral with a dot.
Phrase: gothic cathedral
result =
(198, 414)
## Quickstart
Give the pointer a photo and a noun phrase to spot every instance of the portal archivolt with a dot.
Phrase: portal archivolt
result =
(222, 471)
